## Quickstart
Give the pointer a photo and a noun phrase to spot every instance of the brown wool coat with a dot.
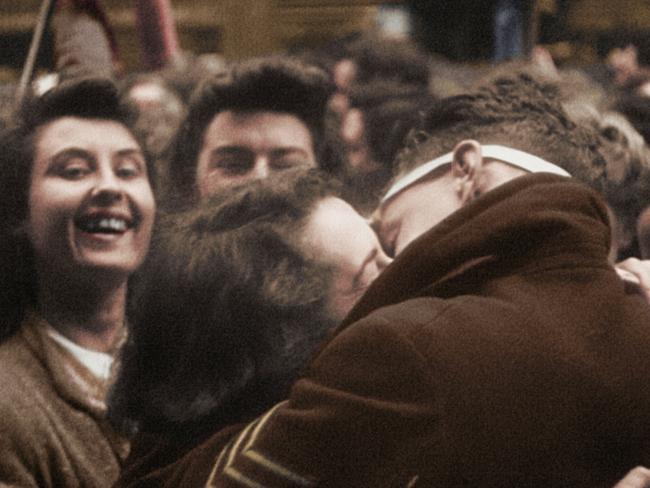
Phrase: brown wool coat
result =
(52, 432)
(499, 350)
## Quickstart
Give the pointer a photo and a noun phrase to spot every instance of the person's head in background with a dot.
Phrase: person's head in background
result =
(238, 292)
(625, 150)
(643, 218)
(637, 110)
(476, 131)
(628, 162)
(261, 116)
(76, 202)
(389, 59)
(160, 110)
(373, 131)
(366, 59)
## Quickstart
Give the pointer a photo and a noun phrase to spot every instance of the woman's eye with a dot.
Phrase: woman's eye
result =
(368, 275)
(75, 170)
(129, 169)
(126, 172)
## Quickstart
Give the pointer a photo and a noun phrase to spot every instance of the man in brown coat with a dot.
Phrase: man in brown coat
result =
(500, 348)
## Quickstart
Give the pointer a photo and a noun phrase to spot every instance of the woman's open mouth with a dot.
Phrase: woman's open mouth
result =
(103, 224)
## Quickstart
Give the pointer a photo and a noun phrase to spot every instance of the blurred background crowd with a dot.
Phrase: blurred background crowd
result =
(385, 59)
(196, 103)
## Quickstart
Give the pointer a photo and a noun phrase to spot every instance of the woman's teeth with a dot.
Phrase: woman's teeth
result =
(110, 225)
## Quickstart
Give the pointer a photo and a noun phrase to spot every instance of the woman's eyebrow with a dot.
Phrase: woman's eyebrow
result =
(72, 152)
(68, 153)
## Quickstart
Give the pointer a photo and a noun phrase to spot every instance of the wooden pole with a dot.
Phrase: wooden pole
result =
(28, 69)
(157, 31)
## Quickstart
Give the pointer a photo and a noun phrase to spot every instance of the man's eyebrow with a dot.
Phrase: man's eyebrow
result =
(287, 149)
(231, 149)
(371, 255)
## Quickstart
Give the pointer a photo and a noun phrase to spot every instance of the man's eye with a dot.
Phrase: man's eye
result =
(288, 162)
(233, 165)
(388, 246)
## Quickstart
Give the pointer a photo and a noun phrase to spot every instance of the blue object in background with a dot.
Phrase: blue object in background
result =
(509, 21)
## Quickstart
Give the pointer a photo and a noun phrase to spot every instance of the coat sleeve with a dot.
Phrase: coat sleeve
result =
(361, 416)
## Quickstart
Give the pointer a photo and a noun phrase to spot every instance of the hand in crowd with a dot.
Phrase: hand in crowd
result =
(639, 477)
(636, 272)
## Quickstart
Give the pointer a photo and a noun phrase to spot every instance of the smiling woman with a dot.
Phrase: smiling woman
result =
(88, 197)
(76, 210)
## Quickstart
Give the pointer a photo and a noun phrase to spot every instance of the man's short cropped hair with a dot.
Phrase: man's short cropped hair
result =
(519, 112)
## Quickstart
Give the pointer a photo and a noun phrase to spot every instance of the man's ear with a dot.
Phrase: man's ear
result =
(466, 168)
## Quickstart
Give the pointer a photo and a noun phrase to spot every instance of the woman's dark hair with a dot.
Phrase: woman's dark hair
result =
(228, 312)
(85, 98)
(276, 84)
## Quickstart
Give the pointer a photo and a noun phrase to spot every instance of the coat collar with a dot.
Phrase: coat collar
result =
(535, 221)
(71, 379)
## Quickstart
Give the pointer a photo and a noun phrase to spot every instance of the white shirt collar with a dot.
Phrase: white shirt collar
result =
(514, 157)
(98, 363)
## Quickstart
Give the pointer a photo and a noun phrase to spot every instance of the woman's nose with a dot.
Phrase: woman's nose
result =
(107, 186)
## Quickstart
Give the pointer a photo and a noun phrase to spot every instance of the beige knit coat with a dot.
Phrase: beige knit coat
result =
(52, 427)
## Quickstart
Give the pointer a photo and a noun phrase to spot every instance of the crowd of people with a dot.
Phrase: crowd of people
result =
(357, 266)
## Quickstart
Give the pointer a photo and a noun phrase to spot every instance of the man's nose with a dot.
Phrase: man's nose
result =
(383, 260)
(262, 168)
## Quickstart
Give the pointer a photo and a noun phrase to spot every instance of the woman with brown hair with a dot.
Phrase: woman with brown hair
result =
(77, 211)
(237, 295)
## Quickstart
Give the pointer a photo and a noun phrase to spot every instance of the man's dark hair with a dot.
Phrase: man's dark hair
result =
(398, 60)
(637, 110)
(390, 111)
(518, 112)
(85, 98)
(229, 310)
(626, 186)
(274, 84)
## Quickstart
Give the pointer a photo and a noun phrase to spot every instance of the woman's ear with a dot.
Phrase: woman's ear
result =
(466, 168)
